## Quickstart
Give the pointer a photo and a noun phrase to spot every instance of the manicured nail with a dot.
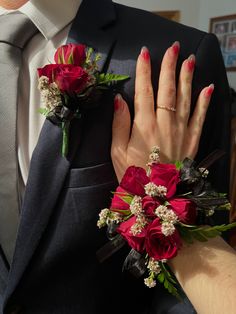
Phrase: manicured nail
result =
(145, 53)
(209, 90)
(191, 63)
(118, 103)
(175, 47)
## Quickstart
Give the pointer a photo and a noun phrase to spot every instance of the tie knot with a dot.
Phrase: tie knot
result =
(16, 29)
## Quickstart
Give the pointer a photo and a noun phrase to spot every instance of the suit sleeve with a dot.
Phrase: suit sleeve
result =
(216, 132)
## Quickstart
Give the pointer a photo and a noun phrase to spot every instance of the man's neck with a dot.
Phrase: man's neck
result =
(12, 4)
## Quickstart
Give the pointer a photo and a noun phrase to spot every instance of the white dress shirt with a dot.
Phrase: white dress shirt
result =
(53, 19)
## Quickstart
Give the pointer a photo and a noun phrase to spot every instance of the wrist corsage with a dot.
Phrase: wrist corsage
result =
(154, 211)
(71, 85)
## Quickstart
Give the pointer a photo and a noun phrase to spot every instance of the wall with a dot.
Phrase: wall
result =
(214, 8)
(189, 9)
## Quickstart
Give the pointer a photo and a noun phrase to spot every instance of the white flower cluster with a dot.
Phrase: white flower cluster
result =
(167, 228)
(106, 216)
(136, 210)
(169, 219)
(136, 205)
(138, 226)
(204, 172)
(154, 157)
(153, 266)
(50, 93)
(153, 190)
(150, 282)
(166, 214)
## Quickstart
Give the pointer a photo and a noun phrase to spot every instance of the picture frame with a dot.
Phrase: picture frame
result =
(170, 15)
(224, 27)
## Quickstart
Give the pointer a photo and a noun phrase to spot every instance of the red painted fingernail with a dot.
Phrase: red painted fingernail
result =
(145, 53)
(191, 63)
(209, 90)
(118, 104)
(175, 47)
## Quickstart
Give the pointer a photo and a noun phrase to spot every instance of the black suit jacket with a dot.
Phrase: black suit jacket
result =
(54, 268)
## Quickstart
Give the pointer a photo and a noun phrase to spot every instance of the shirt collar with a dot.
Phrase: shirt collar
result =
(50, 17)
(3, 11)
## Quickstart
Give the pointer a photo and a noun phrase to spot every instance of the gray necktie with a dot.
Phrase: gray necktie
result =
(15, 31)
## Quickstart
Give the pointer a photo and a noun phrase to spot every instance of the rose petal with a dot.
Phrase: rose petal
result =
(184, 209)
(166, 175)
(134, 180)
(137, 241)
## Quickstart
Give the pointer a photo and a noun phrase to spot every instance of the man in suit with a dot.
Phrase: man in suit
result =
(53, 268)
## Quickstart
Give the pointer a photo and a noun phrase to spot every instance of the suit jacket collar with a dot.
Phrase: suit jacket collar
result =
(48, 168)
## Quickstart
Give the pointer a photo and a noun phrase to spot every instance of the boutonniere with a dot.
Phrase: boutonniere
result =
(73, 82)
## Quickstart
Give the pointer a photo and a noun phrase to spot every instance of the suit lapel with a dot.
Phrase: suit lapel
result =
(48, 168)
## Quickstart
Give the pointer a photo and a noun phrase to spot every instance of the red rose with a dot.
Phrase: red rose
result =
(158, 245)
(69, 78)
(134, 180)
(70, 54)
(166, 175)
(184, 209)
(149, 205)
(117, 202)
(47, 71)
(137, 241)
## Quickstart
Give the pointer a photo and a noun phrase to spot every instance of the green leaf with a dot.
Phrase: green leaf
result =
(88, 55)
(161, 277)
(108, 78)
(199, 236)
(127, 198)
(202, 234)
(178, 164)
(121, 211)
(44, 111)
(70, 59)
(168, 281)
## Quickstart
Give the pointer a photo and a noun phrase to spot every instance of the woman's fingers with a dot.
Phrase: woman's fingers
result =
(120, 134)
(197, 120)
(166, 96)
(144, 101)
(184, 91)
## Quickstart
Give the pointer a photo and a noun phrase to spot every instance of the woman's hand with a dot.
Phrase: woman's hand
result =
(169, 126)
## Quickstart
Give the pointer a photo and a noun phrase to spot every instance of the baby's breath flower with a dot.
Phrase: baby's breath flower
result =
(151, 189)
(43, 83)
(204, 172)
(103, 215)
(136, 229)
(153, 266)
(160, 211)
(50, 93)
(154, 157)
(167, 228)
(138, 226)
(210, 212)
(114, 217)
(161, 191)
(150, 282)
(136, 205)
(166, 214)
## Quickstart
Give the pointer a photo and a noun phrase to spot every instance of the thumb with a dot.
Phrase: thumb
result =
(120, 130)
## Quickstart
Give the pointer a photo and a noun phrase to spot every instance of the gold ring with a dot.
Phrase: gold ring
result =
(167, 108)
